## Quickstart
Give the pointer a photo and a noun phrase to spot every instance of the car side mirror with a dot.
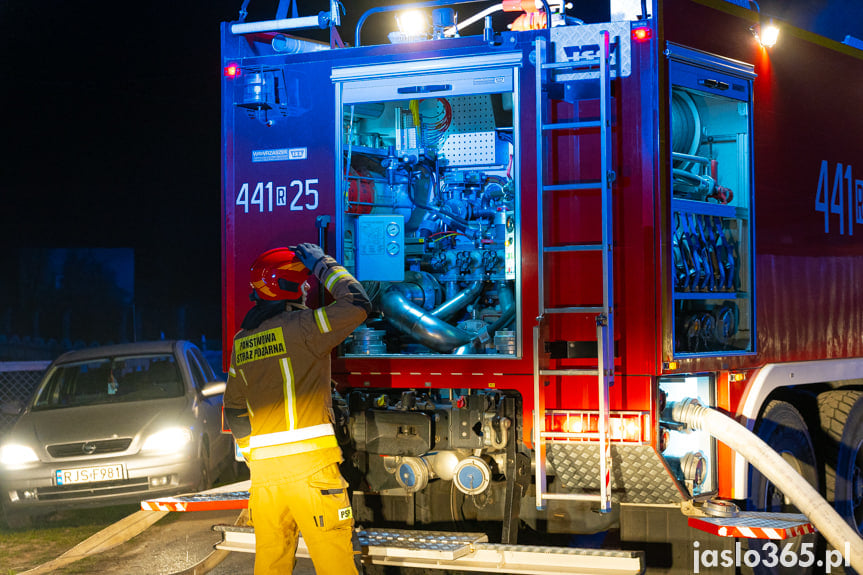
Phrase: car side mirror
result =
(213, 388)
(12, 408)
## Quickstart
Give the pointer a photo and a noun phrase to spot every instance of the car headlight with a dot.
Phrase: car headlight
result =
(12, 454)
(168, 440)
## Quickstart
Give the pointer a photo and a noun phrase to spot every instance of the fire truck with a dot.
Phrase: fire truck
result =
(611, 262)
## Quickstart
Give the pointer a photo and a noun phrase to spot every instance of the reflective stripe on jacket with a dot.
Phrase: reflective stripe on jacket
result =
(280, 371)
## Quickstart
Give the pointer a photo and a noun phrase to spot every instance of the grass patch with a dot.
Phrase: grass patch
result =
(52, 535)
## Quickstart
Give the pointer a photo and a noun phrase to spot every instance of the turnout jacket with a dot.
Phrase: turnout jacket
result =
(278, 399)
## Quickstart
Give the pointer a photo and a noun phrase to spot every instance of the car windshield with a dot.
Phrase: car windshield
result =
(110, 380)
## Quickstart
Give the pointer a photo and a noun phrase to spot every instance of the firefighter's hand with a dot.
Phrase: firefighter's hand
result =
(309, 254)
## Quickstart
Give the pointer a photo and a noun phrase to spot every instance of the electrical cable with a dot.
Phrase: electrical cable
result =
(435, 130)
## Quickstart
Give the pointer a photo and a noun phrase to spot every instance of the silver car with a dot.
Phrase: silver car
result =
(113, 425)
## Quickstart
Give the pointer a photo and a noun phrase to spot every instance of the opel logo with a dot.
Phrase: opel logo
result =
(89, 448)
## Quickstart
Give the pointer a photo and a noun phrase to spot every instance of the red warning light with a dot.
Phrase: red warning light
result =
(232, 71)
(642, 34)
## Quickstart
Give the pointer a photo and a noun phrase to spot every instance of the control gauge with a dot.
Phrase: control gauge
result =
(379, 248)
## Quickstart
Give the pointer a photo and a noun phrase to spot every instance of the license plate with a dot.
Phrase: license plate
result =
(91, 474)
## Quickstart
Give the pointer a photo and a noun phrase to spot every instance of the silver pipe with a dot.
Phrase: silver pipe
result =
(276, 25)
(690, 158)
(453, 30)
(694, 179)
(507, 305)
(453, 305)
(420, 325)
(289, 45)
(505, 295)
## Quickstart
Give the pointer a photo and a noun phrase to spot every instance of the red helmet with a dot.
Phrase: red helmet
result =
(278, 274)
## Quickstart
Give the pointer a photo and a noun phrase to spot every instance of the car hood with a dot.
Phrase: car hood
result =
(106, 421)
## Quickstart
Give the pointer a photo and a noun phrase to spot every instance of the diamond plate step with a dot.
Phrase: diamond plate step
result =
(464, 552)
(377, 543)
(419, 544)
(755, 525)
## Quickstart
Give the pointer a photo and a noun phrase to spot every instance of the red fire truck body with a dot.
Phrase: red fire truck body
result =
(562, 231)
(807, 255)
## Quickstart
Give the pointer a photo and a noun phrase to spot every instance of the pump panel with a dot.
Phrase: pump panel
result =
(428, 169)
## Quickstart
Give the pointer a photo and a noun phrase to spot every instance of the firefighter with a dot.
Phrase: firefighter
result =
(278, 403)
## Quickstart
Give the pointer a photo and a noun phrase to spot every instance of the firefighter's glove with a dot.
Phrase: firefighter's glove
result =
(309, 254)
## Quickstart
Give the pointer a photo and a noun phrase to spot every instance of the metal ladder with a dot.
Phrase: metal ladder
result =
(601, 68)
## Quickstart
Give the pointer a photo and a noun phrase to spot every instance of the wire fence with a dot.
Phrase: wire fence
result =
(18, 380)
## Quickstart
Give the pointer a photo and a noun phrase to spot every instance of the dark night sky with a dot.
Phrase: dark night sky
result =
(111, 132)
(111, 129)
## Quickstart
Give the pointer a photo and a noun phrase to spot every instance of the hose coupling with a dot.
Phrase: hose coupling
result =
(688, 411)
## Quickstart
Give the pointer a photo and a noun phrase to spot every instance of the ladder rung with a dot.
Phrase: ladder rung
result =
(572, 496)
(574, 248)
(575, 309)
(572, 125)
(569, 372)
(574, 186)
(586, 65)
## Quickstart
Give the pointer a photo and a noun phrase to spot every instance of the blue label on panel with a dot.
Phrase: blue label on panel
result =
(279, 155)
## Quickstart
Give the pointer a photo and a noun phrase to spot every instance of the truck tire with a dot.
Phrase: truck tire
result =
(842, 423)
(784, 429)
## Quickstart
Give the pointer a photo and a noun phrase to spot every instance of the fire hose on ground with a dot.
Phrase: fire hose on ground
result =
(805, 497)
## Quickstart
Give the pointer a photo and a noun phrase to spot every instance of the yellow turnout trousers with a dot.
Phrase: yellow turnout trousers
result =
(316, 505)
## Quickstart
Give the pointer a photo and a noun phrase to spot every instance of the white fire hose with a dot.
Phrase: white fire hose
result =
(822, 515)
